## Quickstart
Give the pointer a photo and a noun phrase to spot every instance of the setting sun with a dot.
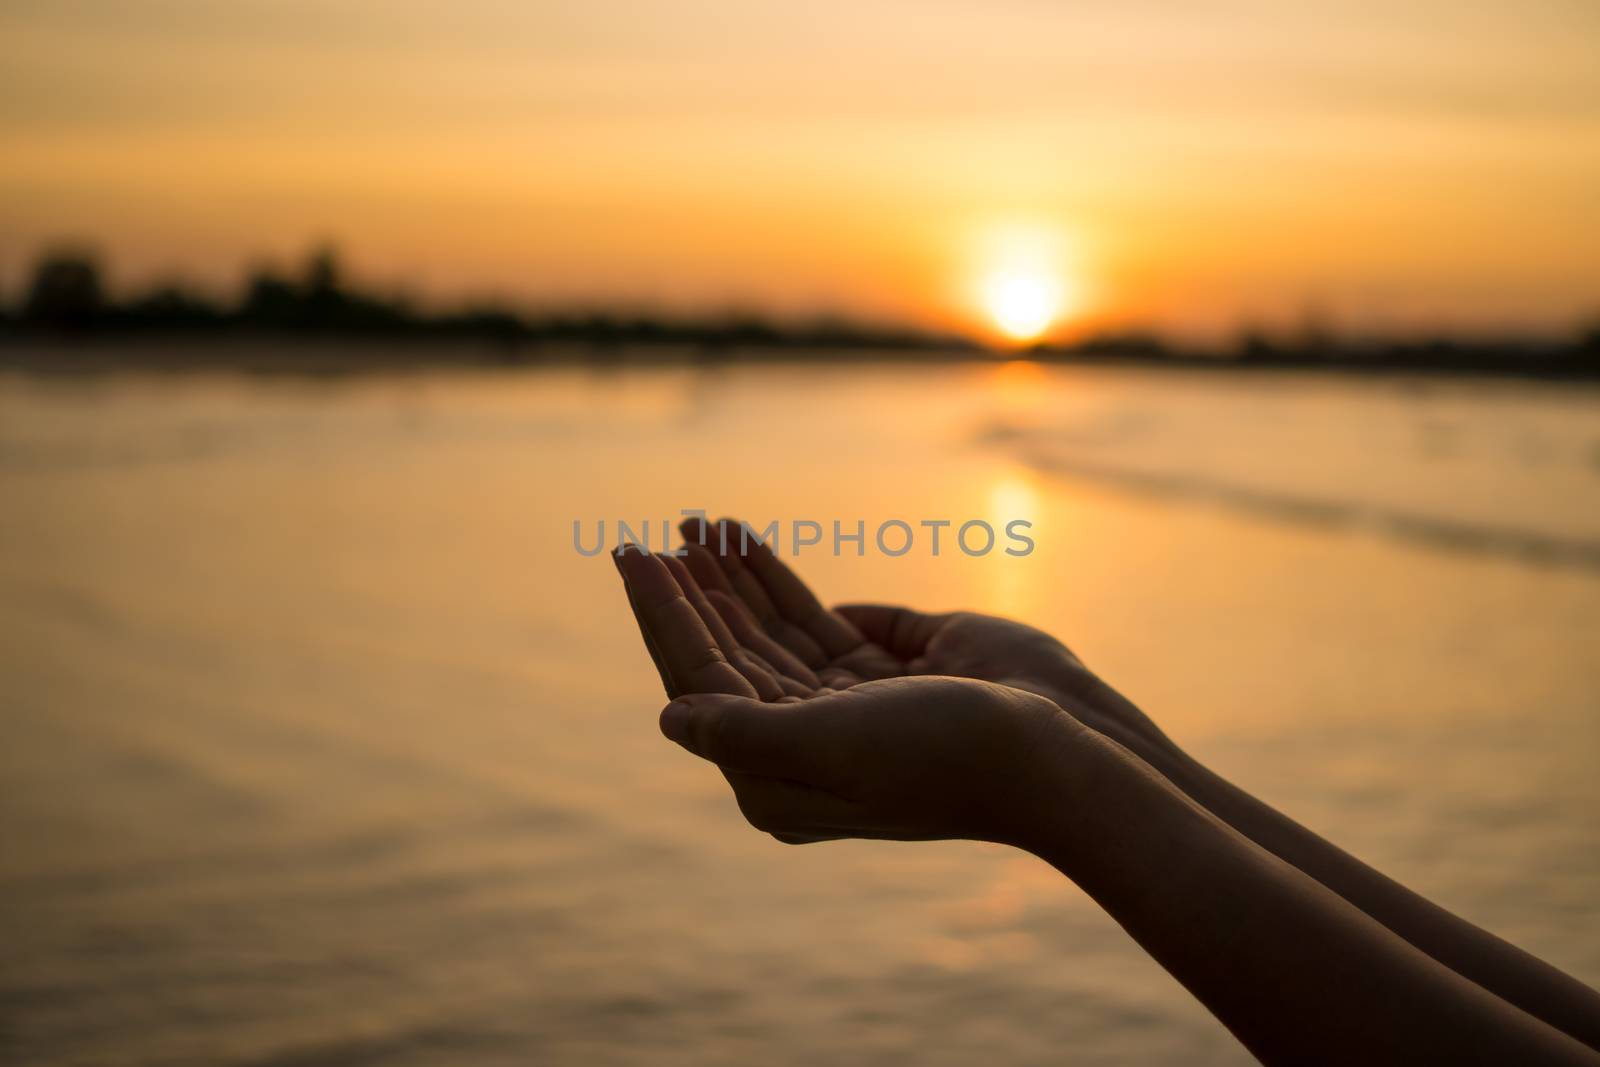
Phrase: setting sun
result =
(1025, 277)
(1022, 306)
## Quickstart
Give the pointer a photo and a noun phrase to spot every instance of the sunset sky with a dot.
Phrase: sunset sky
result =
(958, 163)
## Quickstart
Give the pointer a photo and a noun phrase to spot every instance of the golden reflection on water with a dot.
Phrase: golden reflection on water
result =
(1014, 587)
(1017, 387)
(308, 680)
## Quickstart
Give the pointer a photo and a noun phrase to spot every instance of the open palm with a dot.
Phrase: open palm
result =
(777, 618)
(814, 748)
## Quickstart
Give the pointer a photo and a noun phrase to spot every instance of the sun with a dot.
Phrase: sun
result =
(1022, 304)
(1025, 277)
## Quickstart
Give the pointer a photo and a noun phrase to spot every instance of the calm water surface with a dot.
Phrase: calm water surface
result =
(323, 746)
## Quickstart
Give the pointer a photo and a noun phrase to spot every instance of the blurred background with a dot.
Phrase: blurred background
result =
(323, 323)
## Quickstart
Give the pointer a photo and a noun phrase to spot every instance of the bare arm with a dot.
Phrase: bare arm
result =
(1475, 953)
(1295, 971)
(1298, 973)
(894, 640)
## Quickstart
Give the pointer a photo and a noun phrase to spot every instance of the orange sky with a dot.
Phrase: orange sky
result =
(1187, 165)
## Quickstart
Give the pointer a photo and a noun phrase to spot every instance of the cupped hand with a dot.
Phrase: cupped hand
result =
(778, 616)
(909, 758)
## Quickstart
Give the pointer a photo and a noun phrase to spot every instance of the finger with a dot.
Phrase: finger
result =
(706, 576)
(697, 599)
(798, 741)
(767, 683)
(904, 633)
(702, 542)
(797, 604)
(703, 565)
(692, 661)
(732, 540)
(787, 687)
(708, 613)
(762, 678)
(756, 671)
(644, 632)
(793, 690)
(839, 678)
(724, 548)
(757, 640)
(695, 531)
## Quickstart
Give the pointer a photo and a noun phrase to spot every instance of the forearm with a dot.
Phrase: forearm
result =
(1502, 968)
(1296, 972)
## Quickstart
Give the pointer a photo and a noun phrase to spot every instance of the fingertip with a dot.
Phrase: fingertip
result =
(728, 537)
(621, 556)
(693, 529)
(630, 554)
(675, 719)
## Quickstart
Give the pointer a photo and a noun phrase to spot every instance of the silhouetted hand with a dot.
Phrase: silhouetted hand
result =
(777, 615)
(909, 758)
(903, 758)
(884, 722)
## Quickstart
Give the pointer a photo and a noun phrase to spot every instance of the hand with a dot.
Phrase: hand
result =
(909, 759)
(905, 758)
(831, 724)
(777, 616)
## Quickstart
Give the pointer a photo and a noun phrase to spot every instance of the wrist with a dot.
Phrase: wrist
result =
(1072, 766)
(1105, 809)
(1082, 694)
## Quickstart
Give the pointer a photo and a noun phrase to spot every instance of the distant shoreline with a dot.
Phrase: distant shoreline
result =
(317, 322)
(318, 355)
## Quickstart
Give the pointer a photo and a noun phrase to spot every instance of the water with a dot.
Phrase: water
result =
(323, 746)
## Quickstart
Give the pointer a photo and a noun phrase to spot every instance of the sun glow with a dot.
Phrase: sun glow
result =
(1024, 279)
(1023, 306)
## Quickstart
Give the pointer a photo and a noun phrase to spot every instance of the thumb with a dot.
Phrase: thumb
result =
(788, 740)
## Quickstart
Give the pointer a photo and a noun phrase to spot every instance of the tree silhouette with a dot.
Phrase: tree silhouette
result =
(66, 292)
